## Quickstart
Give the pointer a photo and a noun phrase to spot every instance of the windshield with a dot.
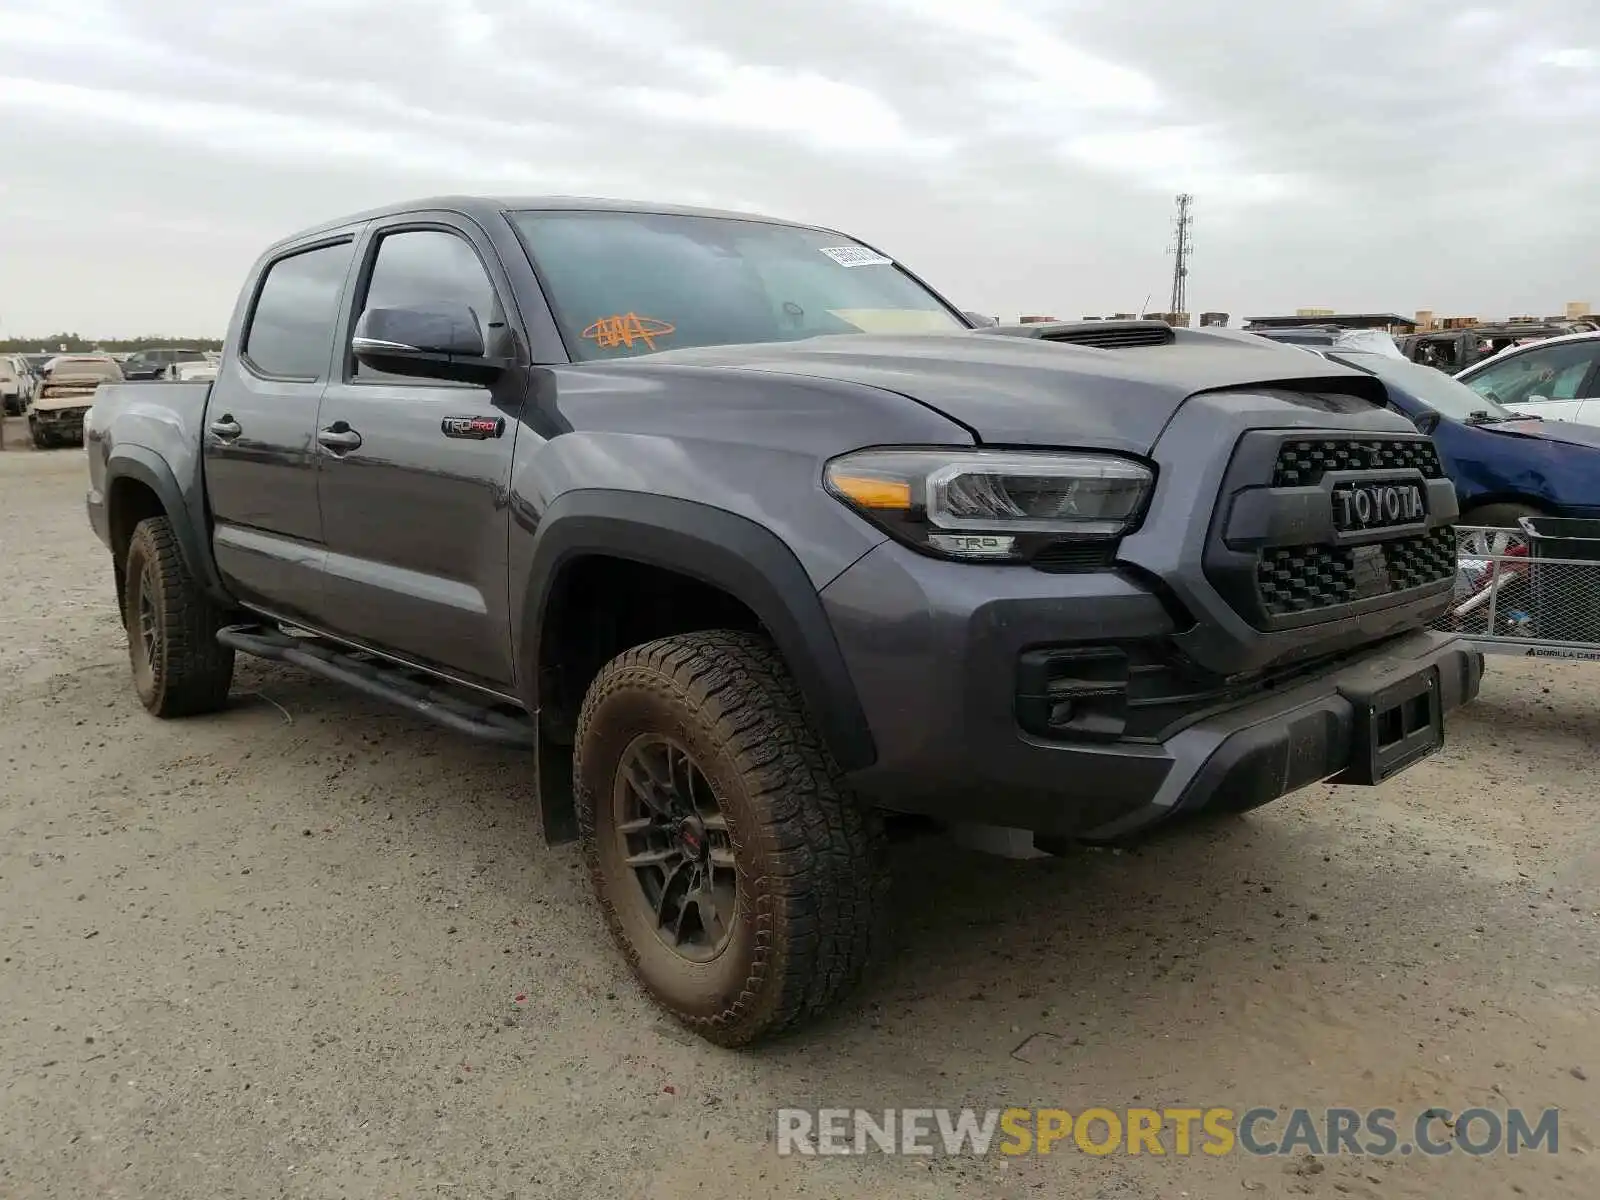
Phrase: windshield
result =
(623, 283)
(1433, 388)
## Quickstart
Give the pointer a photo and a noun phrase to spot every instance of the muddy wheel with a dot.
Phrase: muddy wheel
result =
(744, 885)
(179, 667)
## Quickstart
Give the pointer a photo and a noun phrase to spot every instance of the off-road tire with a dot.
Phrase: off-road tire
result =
(181, 670)
(811, 872)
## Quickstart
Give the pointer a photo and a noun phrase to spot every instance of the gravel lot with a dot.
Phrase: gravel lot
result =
(314, 947)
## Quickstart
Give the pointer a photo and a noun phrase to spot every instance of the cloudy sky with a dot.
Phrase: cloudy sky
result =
(1020, 154)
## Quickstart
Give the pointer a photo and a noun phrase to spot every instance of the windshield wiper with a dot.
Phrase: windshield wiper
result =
(1484, 417)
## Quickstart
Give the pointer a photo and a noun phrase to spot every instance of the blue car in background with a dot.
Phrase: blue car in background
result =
(1504, 465)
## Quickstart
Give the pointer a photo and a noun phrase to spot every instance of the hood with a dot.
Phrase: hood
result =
(1569, 432)
(1019, 391)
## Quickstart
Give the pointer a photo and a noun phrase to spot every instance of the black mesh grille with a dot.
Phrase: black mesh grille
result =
(1299, 579)
(1301, 464)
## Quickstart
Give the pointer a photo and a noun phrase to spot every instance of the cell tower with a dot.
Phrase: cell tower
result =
(1182, 247)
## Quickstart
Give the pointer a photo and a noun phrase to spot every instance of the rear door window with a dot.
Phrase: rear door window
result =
(291, 326)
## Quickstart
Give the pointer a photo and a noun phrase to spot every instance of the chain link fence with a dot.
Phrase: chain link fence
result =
(1534, 590)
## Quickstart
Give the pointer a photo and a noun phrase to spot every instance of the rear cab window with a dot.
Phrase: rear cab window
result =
(627, 283)
(290, 334)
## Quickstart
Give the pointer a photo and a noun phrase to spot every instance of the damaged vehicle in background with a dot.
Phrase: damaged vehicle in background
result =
(1455, 350)
(56, 418)
(1505, 465)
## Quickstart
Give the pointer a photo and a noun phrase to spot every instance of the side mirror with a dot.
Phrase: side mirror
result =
(980, 320)
(1427, 422)
(441, 341)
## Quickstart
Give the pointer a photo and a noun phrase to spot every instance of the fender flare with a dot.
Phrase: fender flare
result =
(149, 468)
(722, 549)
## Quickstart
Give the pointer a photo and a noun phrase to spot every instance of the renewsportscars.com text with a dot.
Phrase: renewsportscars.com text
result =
(1260, 1132)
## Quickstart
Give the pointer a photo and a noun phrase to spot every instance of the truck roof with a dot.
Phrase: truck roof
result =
(480, 208)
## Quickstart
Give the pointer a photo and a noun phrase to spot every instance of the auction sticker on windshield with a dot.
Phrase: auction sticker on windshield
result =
(856, 256)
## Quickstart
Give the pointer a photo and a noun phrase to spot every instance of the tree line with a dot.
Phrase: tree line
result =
(74, 343)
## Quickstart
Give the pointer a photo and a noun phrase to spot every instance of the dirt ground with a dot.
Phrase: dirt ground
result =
(313, 947)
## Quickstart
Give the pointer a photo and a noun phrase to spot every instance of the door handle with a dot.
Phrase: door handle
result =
(339, 437)
(226, 427)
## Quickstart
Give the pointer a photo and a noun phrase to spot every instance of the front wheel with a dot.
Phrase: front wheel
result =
(741, 880)
(179, 667)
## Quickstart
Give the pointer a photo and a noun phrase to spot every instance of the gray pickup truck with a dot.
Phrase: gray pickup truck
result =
(752, 538)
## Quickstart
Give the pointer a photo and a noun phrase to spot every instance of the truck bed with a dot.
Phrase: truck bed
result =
(165, 419)
(130, 403)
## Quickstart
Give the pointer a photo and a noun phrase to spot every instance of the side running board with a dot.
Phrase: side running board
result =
(457, 708)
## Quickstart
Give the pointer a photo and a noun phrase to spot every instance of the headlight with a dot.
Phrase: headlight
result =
(995, 505)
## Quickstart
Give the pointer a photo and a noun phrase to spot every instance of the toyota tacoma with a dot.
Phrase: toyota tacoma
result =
(751, 538)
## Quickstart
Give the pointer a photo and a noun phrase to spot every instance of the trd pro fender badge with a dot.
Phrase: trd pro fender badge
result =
(476, 429)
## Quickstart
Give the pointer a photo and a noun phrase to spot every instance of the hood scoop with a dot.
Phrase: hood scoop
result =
(1102, 335)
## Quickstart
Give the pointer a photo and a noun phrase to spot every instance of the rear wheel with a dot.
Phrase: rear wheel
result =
(742, 882)
(179, 667)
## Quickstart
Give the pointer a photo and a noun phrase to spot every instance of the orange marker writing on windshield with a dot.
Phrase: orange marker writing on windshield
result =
(623, 330)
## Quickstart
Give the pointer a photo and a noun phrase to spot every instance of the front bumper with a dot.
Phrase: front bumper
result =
(63, 422)
(934, 651)
(99, 518)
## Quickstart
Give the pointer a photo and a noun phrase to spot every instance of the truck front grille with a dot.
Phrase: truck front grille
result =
(1296, 579)
(1277, 556)
(1305, 462)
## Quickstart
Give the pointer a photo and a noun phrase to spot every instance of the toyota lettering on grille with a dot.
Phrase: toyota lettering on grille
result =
(1361, 506)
